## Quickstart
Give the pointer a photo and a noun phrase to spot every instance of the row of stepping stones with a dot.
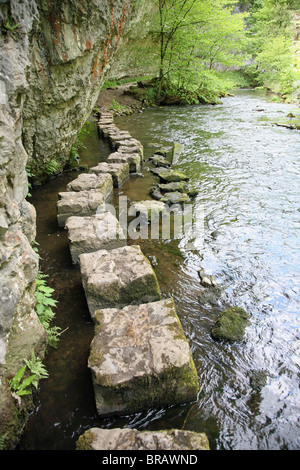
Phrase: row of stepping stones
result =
(139, 356)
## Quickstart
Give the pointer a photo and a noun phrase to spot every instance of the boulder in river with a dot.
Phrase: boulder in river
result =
(175, 197)
(207, 280)
(133, 439)
(230, 325)
(140, 359)
(107, 283)
(169, 176)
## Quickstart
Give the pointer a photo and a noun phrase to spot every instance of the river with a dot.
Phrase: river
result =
(247, 173)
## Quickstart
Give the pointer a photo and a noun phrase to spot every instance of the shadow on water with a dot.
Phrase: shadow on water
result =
(246, 171)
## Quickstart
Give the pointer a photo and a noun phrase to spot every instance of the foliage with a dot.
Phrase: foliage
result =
(44, 305)
(273, 45)
(9, 27)
(52, 167)
(115, 106)
(37, 368)
(191, 41)
(19, 385)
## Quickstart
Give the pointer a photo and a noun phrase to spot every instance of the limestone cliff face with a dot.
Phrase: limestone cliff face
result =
(53, 59)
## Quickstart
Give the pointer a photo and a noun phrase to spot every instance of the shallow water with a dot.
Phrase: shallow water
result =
(247, 173)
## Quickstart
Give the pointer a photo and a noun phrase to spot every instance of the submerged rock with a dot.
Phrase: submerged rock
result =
(132, 439)
(231, 324)
(141, 359)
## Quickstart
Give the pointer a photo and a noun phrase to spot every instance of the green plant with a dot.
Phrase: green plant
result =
(36, 366)
(52, 167)
(29, 175)
(2, 441)
(20, 386)
(9, 27)
(44, 305)
(115, 106)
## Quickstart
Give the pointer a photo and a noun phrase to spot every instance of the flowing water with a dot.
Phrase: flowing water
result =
(247, 172)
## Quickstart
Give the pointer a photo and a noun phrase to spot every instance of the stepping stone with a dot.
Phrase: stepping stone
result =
(132, 149)
(89, 234)
(86, 181)
(175, 197)
(117, 278)
(82, 203)
(105, 129)
(133, 160)
(133, 439)
(151, 209)
(140, 359)
(118, 171)
(169, 176)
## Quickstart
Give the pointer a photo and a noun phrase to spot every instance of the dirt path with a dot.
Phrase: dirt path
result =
(106, 97)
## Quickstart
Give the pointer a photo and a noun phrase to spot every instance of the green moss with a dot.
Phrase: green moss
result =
(85, 441)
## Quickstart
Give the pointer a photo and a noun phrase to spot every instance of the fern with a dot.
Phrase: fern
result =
(44, 305)
(37, 368)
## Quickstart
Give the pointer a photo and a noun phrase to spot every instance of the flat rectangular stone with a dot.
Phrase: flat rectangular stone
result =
(82, 203)
(89, 234)
(117, 278)
(131, 149)
(141, 359)
(118, 171)
(86, 181)
(133, 439)
(133, 160)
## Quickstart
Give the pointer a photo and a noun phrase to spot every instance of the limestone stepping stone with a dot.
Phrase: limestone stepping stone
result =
(140, 359)
(117, 278)
(86, 181)
(89, 234)
(169, 176)
(133, 439)
(151, 209)
(133, 160)
(82, 203)
(118, 171)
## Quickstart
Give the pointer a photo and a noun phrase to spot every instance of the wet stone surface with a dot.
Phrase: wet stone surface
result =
(140, 358)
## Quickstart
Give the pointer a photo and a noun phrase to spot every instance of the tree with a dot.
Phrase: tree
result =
(194, 36)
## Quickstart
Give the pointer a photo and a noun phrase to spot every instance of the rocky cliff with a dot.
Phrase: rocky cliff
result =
(53, 59)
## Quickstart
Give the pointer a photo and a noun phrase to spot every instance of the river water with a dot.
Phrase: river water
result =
(247, 173)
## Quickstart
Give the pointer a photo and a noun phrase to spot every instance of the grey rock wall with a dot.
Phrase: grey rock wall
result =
(53, 59)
